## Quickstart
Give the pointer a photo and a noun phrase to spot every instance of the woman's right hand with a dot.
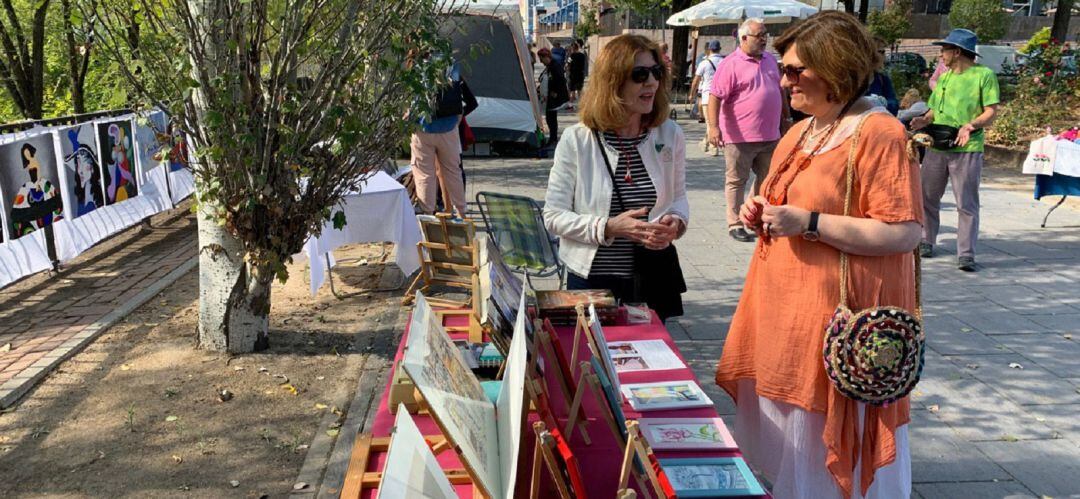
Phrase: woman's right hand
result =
(751, 211)
(627, 225)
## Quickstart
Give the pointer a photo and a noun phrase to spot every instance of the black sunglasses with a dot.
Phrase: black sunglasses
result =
(792, 72)
(640, 74)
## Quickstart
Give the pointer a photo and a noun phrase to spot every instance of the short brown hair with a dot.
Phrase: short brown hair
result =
(602, 108)
(838, 48)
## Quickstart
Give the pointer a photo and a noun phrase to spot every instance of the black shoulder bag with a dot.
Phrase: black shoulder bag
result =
(658, 277)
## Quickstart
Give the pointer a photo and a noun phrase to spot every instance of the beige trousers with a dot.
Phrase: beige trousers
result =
(741, 159)
(436, 159)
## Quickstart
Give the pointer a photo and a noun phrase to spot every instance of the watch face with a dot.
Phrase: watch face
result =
(810, 236)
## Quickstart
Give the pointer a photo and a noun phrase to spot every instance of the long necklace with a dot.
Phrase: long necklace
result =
(778, 197)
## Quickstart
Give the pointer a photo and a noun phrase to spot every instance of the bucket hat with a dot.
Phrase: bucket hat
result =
(961, 38)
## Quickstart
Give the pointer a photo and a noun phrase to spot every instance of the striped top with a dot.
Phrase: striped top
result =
(638, 192)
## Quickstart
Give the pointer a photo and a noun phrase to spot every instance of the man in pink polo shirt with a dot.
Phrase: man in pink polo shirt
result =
(745, 113)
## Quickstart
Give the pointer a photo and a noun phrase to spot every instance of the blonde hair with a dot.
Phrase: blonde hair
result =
(910, 97)
(838, 48)
(602, 106)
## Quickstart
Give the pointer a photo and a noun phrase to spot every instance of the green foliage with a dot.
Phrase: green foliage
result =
(1037, 40)
(289, 105)
(891, 23)
(641, 6)
(1047, 93)
(986, 18)
(588, 24)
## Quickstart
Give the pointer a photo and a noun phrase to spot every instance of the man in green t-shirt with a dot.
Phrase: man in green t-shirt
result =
(966, 97)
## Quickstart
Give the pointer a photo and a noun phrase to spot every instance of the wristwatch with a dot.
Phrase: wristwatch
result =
(811, 233)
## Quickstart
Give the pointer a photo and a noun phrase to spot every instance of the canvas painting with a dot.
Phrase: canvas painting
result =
(411, 470)
(687, 433)
(454, 394)
(147, 144)
(510, 408)
(611, 395)
(82, 169)
(600, 348)
(117, 156)
(30, 185)
(711, 477)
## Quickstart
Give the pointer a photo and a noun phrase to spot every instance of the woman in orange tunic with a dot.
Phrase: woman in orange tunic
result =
(806, 437)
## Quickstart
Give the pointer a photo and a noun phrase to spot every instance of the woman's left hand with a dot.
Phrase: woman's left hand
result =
(785, 220)
(661, 239)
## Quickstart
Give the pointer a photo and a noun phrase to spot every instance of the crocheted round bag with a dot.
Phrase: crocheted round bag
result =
(874, 355)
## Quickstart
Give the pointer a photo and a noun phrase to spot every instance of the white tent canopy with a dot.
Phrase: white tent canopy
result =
(713, 12)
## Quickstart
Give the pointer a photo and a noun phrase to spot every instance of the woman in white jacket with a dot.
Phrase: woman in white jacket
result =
(616, 195)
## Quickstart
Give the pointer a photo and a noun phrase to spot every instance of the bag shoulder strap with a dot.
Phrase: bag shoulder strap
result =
(844, 266)
(610, 170)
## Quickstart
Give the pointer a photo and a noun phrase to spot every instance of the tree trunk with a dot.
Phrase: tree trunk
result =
(234, 297)
(849, 6)
(680, 42)
(1060, 31)
(864, 10)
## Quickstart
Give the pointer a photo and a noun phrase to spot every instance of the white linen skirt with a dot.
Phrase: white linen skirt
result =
(783, 443)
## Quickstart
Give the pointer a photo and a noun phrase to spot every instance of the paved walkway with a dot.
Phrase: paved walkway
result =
(980, 428)
(45, 318)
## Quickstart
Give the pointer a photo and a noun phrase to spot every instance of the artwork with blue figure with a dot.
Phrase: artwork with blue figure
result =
(82, 169)
(30, 185)
(148, 141)
(117, 161)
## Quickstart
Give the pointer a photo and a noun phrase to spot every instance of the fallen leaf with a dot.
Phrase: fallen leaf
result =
(933, 408)
(291, 389)
(171, 418)
(225, 396)
(1015, 365)
(177, 458)
(125, 367)
(282, 377)
(320, 406)
(1009, 438)
(971, 366)
(965, 330)
(320, 378)
(234, 483)
(238, 368)
(1067, 336)
(263, 370)
(299, 486)
(301, 447)
(6, 347)
(333, 432)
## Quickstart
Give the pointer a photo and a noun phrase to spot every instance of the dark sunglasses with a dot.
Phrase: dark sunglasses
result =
(640, 74)
(792, 72)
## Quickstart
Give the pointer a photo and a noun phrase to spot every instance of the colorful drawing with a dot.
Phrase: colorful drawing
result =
(666, 395)
(711, 477)
(149, 134)
(117, 161)
(82, 169)
(687, 433)
(30, 184)
(630, 363)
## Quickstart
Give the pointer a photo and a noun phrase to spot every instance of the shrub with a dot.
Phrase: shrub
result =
(1046, 93)
(891, 23)
(985, 17)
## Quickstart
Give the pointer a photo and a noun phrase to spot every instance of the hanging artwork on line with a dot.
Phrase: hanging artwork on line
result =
(29, 185)
(117, 161)
(149, 131)
(82, 169)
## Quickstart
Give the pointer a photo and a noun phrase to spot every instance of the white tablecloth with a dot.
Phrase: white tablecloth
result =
(381, 211)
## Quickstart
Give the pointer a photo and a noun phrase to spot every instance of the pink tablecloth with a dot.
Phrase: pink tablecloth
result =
(600, 461)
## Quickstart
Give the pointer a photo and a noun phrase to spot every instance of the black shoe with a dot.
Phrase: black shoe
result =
(966, 263)
(740, 234)
(926, 250)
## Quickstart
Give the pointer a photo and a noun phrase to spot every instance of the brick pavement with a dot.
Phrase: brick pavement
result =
(44, 317)
(980, 428)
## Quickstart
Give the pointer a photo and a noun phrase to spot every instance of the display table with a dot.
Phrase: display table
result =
(381, 211)
(600, 462)
(1059, 174)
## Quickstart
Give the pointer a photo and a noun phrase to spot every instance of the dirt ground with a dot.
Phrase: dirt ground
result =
(139, 413)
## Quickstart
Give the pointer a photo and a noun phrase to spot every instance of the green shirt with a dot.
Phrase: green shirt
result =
(959, 98)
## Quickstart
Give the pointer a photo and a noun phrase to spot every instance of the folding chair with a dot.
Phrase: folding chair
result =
(516, 223)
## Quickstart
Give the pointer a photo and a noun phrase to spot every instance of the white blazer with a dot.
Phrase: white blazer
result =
(579, 190)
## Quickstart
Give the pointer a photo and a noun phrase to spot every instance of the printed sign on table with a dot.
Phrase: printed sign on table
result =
(29, 185)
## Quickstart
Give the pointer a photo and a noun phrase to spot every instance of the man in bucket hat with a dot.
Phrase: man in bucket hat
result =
(965, 98)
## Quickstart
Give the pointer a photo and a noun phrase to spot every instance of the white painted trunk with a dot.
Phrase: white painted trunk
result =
(234, 298)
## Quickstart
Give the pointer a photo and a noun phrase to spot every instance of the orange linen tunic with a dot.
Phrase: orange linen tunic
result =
(792, 289)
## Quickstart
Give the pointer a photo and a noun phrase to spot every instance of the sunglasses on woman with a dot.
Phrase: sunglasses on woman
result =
(640, 74)
(792, 73)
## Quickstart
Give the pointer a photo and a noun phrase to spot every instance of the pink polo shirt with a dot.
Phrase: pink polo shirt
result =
(750, 98)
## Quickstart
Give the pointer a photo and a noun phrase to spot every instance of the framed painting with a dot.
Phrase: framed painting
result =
(711, 477)
(687, 433)
(665, 395)
(411, 469)
(30, 185)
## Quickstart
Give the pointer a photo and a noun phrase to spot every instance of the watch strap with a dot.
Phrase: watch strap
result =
(812, 226)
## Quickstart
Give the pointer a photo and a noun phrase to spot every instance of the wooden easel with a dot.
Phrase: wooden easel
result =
(588, 381)
(358, 478)
(543, 334)
(637, 446)
(442, 262)
(546, 451)
(474, 328)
